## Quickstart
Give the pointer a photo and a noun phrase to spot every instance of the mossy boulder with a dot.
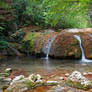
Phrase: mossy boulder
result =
(65, 46)
(42, 41)
(76, 79)
(29, 41)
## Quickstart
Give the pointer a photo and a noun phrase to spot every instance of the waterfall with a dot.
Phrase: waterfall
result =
(82, 50)
(46, 50)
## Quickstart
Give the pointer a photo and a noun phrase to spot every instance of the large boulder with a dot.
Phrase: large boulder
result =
(76, 79)
(87, 45)
(65, 46)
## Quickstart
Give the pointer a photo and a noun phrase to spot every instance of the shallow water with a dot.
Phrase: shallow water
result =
(38, 65)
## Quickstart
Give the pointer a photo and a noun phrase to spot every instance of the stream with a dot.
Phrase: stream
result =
(38, 65)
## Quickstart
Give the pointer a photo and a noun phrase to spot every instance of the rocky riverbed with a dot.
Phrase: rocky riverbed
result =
(57, 71)
(63, 82)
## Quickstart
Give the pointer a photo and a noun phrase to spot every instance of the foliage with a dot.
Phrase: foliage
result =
(59, 13)
(18, 36)
(19, 7)
(5, 44)
(31, 39)
(67, 14)
(35, 10)
(4, 5)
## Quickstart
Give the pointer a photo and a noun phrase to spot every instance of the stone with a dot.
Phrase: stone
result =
(8, 70)
(67, 74)
(34, 77)
(78, 77)
(17, 78)
(51, 83)
(89, 72)
(4, 74)
(87, 44)
(84, 64)
(8, 79)
(78, 80)
(61, 78)
(85, 73)
(19, 86)
(4, 82)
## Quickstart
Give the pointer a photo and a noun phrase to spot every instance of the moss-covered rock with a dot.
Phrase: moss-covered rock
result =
(76, 79)
(30, 38)
(65, 46)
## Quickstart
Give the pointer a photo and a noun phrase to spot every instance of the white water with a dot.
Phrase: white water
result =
(82, 50)
(48, 46)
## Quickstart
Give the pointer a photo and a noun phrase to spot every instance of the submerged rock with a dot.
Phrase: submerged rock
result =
(76, 79)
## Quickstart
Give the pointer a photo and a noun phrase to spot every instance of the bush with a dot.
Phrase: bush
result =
(35, 10)
(68, 14)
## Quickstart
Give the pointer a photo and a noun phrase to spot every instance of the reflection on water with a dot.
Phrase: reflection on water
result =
(38, 65)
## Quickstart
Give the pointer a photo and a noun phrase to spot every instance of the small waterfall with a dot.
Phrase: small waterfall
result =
(82, 50)
(46, 50)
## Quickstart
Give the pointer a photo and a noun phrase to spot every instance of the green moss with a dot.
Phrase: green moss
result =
(33, 85)
(30, 84)
(78, 85)
(32, 37)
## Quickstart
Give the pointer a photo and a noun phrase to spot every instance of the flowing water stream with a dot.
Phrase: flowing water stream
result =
(46, 50)
(83, 59)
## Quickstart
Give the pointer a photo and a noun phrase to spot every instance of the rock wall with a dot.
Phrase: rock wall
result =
(64, 45)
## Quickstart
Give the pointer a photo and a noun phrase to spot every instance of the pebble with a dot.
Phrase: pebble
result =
(85, 73)
(67, 74)
(89, 72)
(61, 78)
(84, 64)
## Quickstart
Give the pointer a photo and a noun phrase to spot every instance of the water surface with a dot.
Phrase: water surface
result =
(38, 65)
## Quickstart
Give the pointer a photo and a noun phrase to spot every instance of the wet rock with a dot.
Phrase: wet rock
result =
(67, 74)
(4, 82)
(8, 70)
(76, 79)
(4, 74)
(84, 64)
(35, 78)
(87, 45)
(90, 73)
(19, 86)
(17, 78)
(60, 48)
(85, 73)
(65, 46)
(61, 78)
(51, 83)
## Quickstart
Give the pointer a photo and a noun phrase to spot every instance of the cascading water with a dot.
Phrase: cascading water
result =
(82, 50)
(48, 46)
